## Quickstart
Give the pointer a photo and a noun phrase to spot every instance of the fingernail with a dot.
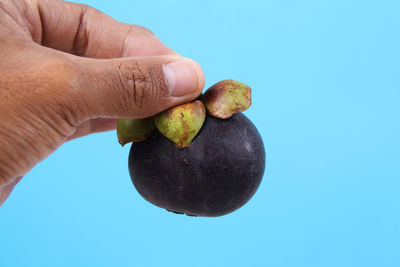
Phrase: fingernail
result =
(184, 77)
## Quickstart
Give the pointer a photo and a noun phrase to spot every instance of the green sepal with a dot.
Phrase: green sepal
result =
(134, 130)
(181, 124)
(226, 98)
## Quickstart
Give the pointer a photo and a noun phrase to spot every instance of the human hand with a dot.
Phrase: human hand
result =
(68, 70)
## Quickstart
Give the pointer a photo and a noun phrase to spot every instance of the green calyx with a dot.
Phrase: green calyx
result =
(134, 130)
(226, 98)
(182, 123)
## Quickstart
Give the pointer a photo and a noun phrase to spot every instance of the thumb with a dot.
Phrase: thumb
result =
(138, 87)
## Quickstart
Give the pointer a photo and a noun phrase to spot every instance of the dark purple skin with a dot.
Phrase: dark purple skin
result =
(217, 174)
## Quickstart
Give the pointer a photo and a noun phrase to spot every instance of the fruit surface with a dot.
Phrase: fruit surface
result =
(217, 174)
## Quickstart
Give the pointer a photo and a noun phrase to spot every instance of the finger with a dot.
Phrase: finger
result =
(93, 126)
(6, 191)
(136, 87)
(85, 31)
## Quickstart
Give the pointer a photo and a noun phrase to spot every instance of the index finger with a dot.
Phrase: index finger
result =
(85, 31)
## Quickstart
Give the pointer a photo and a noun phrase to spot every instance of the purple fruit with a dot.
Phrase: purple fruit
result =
(218, 173)
(202, 158)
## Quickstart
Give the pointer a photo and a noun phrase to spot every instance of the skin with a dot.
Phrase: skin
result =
(68, 70)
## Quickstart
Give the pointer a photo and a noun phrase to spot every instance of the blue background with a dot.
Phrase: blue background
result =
(325, 79)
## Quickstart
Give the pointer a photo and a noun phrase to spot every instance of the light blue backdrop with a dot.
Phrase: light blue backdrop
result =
(326, 88)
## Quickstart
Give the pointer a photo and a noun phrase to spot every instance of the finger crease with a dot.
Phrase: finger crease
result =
(3, 7)
(125, 42)
(42, 24)
(80, 43)
(6, 10)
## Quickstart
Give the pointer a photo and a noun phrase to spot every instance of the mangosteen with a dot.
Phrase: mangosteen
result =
(203, 158)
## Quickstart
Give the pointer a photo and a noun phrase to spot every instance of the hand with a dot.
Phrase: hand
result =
(68, 70)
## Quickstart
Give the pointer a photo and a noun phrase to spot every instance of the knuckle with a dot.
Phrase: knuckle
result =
(142, 30)
(132, 34)
(93, 11)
